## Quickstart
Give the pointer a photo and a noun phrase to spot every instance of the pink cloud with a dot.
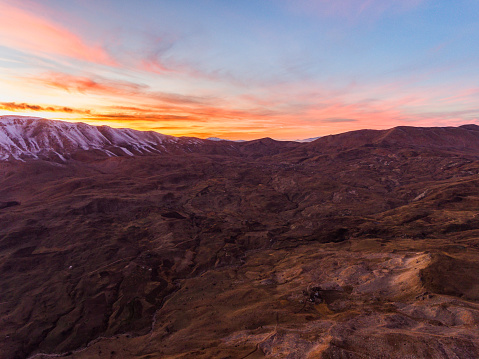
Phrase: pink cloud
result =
(465, 96)
(286, 111)
(115, 89)
(31, 33)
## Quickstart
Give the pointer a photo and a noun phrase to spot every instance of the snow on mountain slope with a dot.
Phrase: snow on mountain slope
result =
(217, 139)
(311, 139)
(29, 137)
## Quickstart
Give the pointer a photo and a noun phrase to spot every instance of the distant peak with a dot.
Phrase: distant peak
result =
(471, 127)
(216, 139)
(311, 139)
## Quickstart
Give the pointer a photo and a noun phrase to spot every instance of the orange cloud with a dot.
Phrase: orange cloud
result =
(150, 103)
(288, 111)
(279, 114)
(14, 107)
(113, 88)
(31, 33)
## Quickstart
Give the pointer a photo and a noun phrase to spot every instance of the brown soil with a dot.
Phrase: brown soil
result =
(356, 247)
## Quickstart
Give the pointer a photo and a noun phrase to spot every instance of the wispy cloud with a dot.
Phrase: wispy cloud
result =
(112, 88)
(145, 105)
(338, 120)
(268, 112)
(145, 115)
(13, 106)
(31, 33)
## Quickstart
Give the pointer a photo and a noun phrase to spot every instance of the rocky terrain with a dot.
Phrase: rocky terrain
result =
(358, 245)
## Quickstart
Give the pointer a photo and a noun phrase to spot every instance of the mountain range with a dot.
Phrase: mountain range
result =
(24, 138)
(36, 138)
(117, 243)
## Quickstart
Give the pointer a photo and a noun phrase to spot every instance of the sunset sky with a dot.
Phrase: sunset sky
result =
(286, 69)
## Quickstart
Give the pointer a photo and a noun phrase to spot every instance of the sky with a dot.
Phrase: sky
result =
(242, 69)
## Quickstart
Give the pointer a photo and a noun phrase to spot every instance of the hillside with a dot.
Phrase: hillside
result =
(358, 245)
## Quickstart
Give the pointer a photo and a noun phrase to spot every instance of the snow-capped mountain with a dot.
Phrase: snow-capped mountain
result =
(23, 138)
(222, 139)
(32, 138)
(311, 139)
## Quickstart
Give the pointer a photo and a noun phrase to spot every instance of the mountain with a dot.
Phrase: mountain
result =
(33, 138)
(463, 138)
(23, 138)
(216, 139)
(222, 139)
(311, 139)
(357, 245)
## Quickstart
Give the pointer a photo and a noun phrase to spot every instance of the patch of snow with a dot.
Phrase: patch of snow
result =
(126, 151)
(311, 139)
(222, 139)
